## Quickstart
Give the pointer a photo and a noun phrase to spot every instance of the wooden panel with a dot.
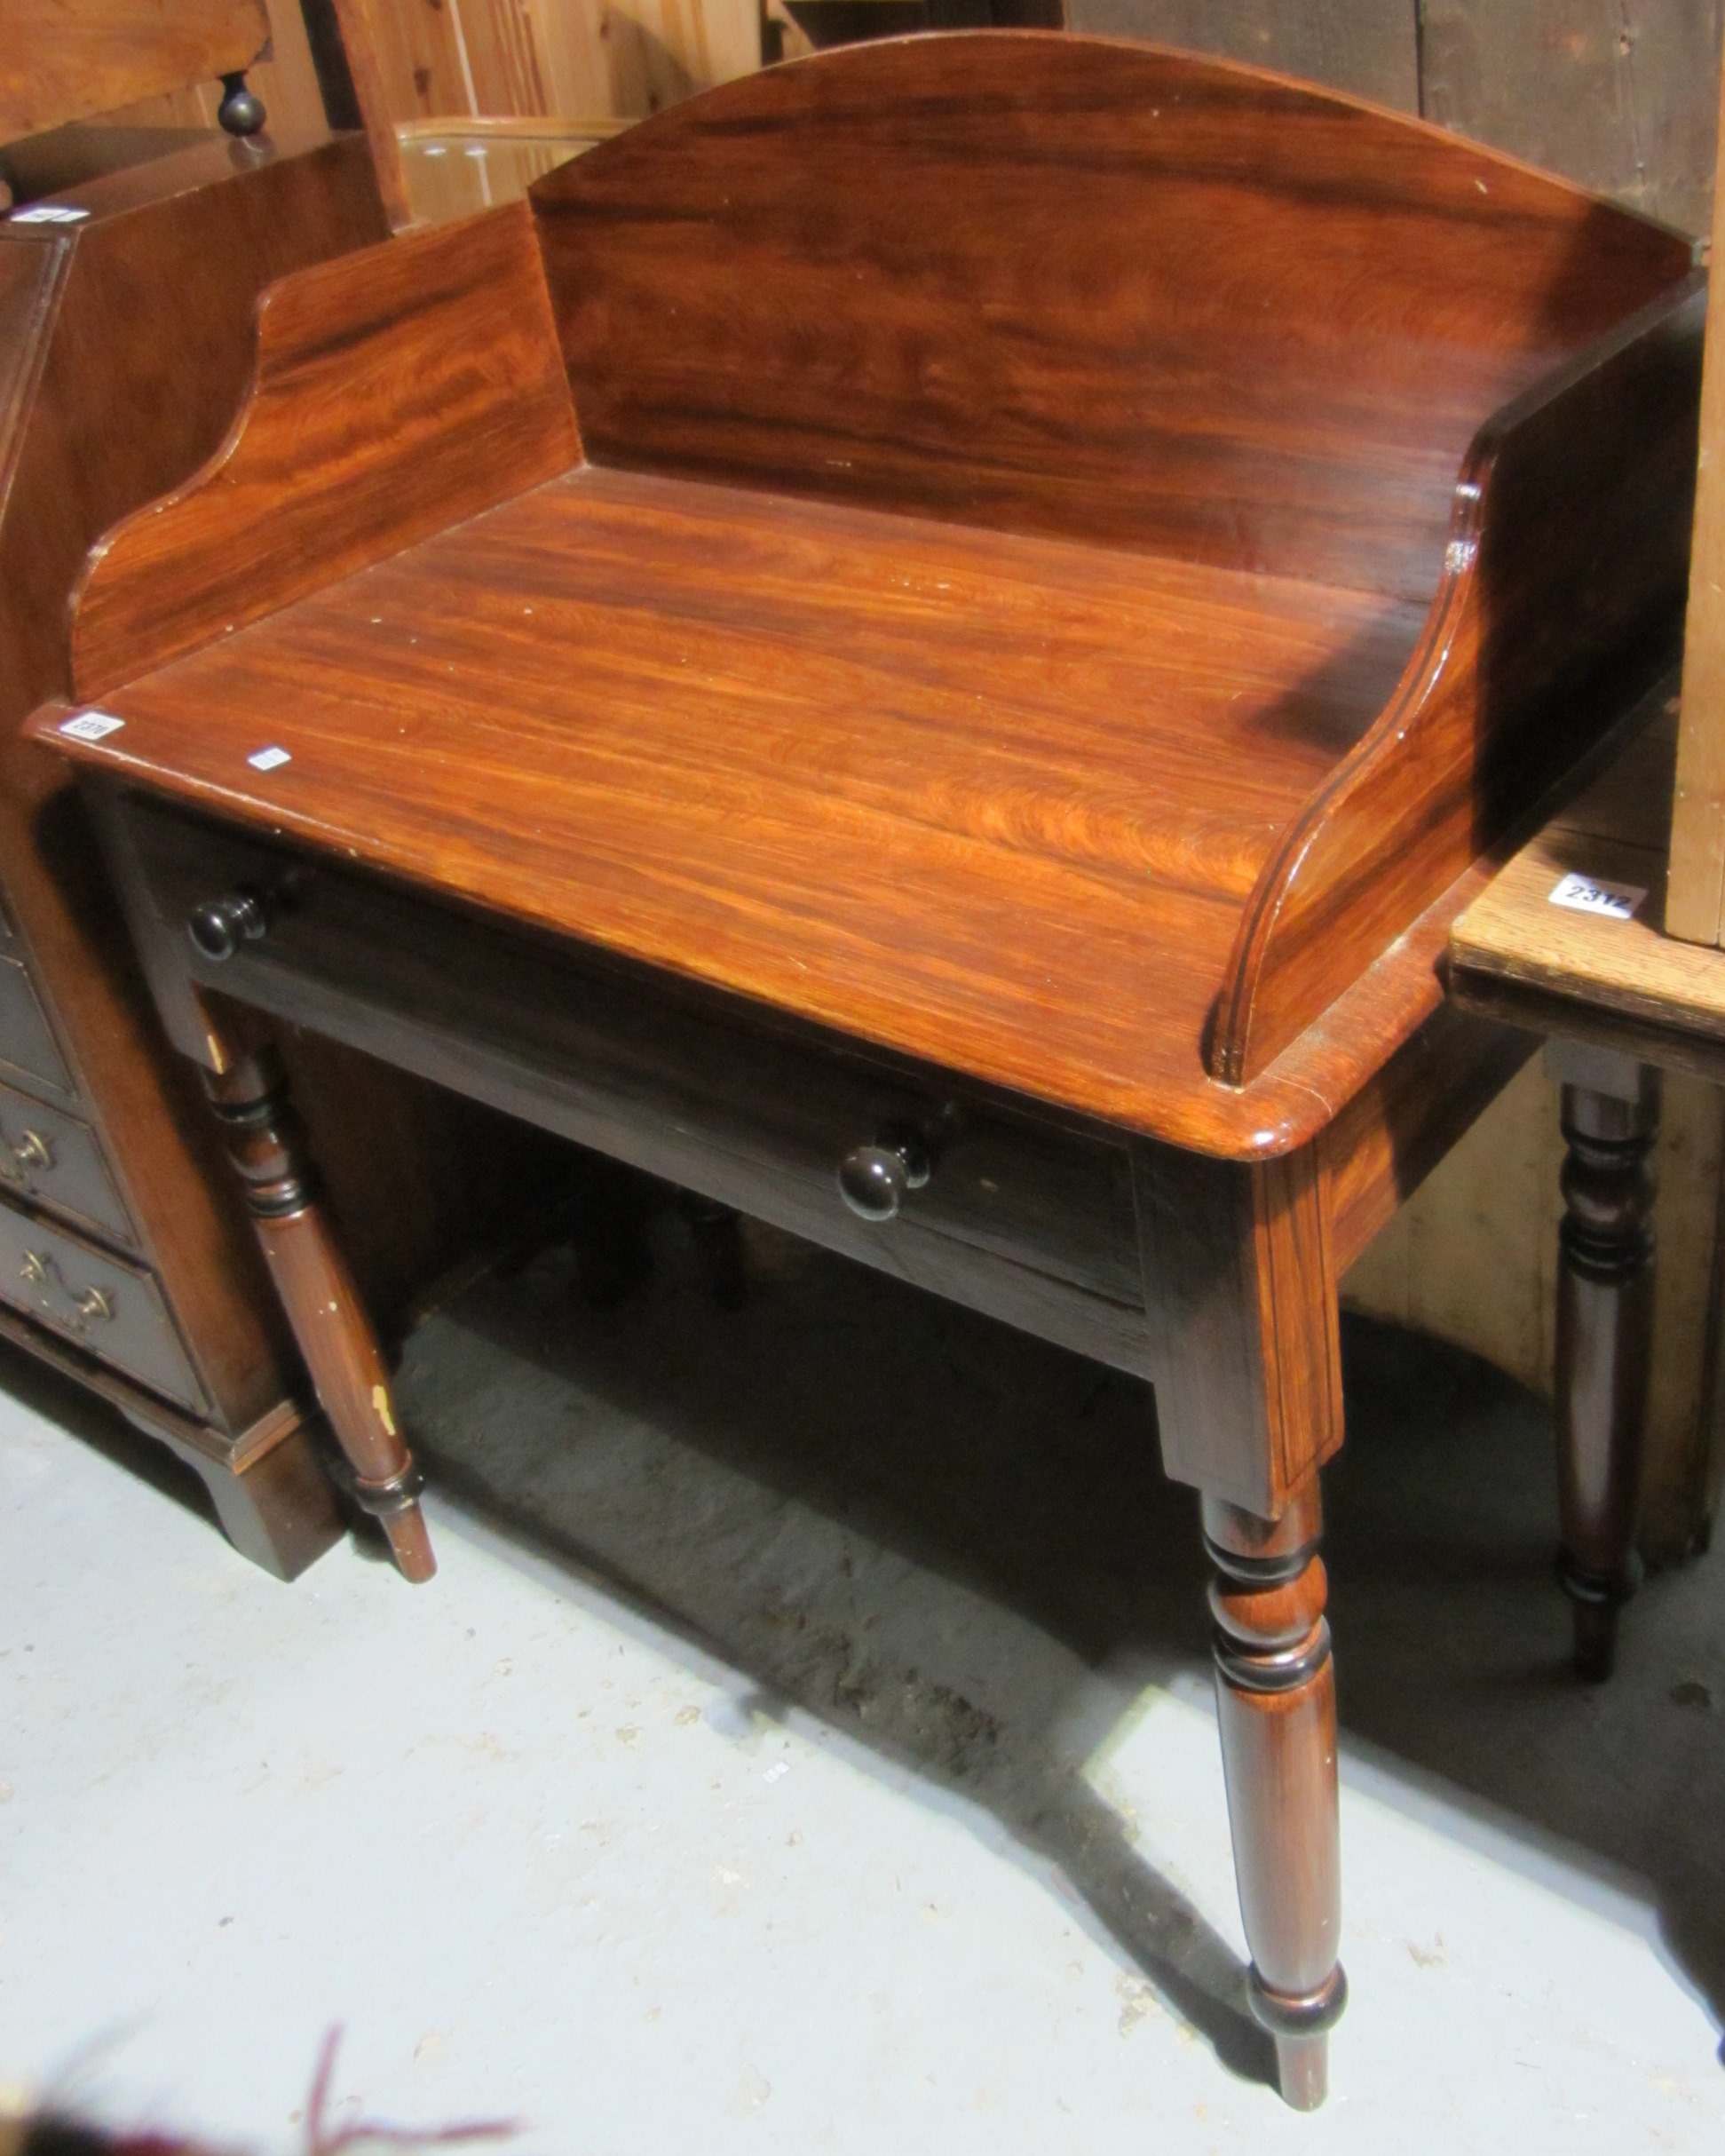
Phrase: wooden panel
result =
(60, 59)
(1589, 975)
(417, 47)
(453, 169)
(1029, 1221)
(1696, 907)
(1472, 1259)
(1370, 48)
(1617, 94)
(1405, 1120)
(109, 1308)
(803, 754)
(286, 81)
(174, 251)
(54, 1159)
(1166, 360)
(362, 365)
(1239, 1291)
(1573, 514)
(27, 1041)
(440, 58)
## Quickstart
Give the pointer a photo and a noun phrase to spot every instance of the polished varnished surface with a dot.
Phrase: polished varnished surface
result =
(1059, 285)
(987, 800)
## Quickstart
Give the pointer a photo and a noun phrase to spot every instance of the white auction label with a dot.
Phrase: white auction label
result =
(49, 213)
(270, 759)
(92, 725)
(1591, 894)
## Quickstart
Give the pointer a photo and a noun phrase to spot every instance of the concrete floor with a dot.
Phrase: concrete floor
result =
(807, 1745)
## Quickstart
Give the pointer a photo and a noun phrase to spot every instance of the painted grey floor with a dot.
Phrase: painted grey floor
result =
(806, 1746)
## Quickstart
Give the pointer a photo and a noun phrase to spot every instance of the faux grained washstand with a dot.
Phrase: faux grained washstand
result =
(927, 645)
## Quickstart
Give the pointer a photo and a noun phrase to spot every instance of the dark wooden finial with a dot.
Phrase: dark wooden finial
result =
(241, 110)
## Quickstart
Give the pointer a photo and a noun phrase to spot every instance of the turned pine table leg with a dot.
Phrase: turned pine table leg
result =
(1276, 1703)
(1611, 1118)
(312, 1277)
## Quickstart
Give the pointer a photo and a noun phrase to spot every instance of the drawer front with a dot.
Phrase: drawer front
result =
(108, 1307)
(1026, 1218)
(52, 1159)
(27, 1040)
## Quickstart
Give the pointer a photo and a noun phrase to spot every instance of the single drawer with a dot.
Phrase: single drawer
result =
(109, 1308)
(1024, 1216)
(27, 1040)
(52, 1159)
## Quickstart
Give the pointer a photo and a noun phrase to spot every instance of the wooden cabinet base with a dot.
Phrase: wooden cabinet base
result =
(276, 1507)
(269, 1485)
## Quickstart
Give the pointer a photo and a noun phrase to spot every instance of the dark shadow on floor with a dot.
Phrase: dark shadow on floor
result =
(956, 1545)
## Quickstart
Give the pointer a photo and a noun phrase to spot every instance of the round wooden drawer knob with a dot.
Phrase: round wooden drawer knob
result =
(874, 1180)
(219, 926)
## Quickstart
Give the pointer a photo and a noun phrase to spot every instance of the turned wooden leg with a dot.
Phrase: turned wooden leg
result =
(323, 1305)
(1610, 1117)
(1276, 1703)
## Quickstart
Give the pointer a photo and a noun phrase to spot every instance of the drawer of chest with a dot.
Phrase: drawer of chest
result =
(27, 1040)
(995, 1205)
(113, 1310)
(52, 1159)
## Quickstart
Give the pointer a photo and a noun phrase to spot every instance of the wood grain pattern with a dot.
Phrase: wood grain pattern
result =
(458, 168)
(806, 757)
(362, 365)
(1604, 1341)
(1028, 1220)
(1565, 579)
(1239, 1289)
(1052, 284)
(285, 77)
(1694, 907)
(1083, 820)
(1617, 94)
(209, 231)
(60, 59)
(1276, 1712)
(1624, 985)
(1403, 1121)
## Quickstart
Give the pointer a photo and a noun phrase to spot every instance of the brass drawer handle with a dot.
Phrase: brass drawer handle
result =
(93, 1303)
(31, 1150)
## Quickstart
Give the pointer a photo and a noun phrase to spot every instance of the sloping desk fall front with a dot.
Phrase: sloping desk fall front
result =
(904, 648)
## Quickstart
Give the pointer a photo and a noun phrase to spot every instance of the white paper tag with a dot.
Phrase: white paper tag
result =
(1591, 894)
(90, 725)
(270, 759)
(49, 213)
